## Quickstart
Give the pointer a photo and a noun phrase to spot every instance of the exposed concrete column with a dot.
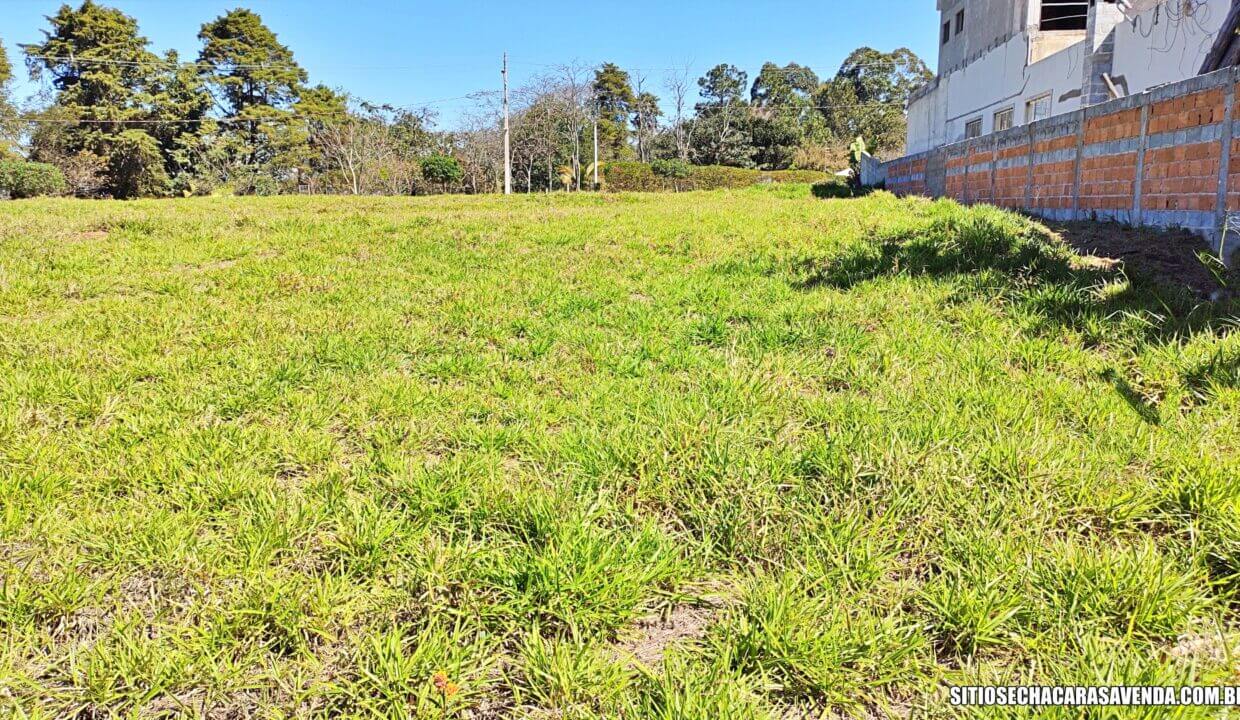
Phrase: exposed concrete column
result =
(1029, 168)
(1078, 160)
(994, 165)
(1224, 157)
(1099, 51)
(1143, 143)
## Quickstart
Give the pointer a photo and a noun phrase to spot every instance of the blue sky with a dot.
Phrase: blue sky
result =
(411, 52)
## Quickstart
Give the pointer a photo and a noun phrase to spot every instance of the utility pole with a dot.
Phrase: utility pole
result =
(596, 144)
(507, 142)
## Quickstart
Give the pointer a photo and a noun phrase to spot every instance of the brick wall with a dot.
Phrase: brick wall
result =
(1166, 157)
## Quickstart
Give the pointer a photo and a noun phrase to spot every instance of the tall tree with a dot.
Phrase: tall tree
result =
(540, 127)
(776, 86)
(181, 104)
(722, 132)
(6, 68)
(573, 97)
(104, 76)
(8, 114)
(678, 84)
(613, 98)
(257, 80)
(868, 95)
(646, 115)
(783, 116)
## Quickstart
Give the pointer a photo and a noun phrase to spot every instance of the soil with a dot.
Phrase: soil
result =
(651, 636)
(1168, 255)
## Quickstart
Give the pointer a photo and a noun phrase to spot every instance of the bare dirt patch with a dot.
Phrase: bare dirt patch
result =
(224, 263)
(1168, 255)
(1199, 647)
(651, 636)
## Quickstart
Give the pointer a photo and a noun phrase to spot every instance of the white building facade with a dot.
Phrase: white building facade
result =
(1004, 63)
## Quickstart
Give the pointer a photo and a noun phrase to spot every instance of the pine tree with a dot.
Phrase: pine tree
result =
(257, 79)
(110, 90)
(99, 65)
(179, 98)
(614, 98)
(722, 128)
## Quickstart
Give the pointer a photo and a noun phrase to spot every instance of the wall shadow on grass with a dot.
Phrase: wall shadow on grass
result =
(995, 256)
(987, 252)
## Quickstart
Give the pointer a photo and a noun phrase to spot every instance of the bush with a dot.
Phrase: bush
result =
(678, 169)
(713, 177)
(632, 177)
(442, 169)
(136, 166)
(674, 175)
(264, 185)
(21, 179)
(827, 157)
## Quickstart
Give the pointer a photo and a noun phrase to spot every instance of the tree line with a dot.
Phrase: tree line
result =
(122, 121)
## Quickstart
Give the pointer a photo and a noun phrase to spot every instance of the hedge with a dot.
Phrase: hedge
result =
(21, 179)
(641, 177)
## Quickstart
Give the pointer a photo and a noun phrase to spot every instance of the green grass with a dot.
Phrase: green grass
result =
(291, 457)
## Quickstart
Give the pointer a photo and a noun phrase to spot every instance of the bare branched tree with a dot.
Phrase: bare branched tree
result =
(372, 149)
(576, 95)
(679, 84)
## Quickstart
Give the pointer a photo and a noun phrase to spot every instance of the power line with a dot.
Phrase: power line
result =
(176, 121)
(477, 96)
(157, 61)
(236, 119)
(77, 60)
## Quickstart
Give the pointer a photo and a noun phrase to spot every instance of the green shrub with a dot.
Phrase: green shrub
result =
(442, 169)
(136, 166)
(713, 177)
(671, 175)
(632, 177)
(21, 179)
(678, 169)
(264, 185)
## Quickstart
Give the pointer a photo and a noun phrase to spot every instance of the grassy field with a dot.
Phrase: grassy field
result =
(741, 454)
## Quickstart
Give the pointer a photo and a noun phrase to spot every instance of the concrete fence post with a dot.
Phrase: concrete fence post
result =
(1224, 156)
(1077, 161)
(994, 165)
(1143, 142)
(964, 190)
(1029, 170)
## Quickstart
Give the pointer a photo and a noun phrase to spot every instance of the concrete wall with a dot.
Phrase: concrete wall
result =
(873, 170)
(1165, 157)
(988, 23)
(1139, 44)
(999, 79)
(927, 117)
(1163, 44)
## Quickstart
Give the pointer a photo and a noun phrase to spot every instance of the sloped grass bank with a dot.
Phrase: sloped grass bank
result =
(376, 458)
